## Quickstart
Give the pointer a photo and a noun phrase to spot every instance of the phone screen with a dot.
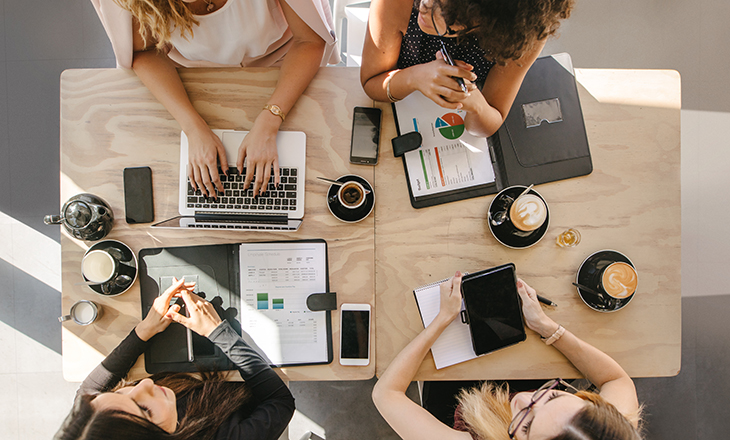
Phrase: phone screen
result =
(138, 205)
(355, 331)
(493, 305)
(365, 135)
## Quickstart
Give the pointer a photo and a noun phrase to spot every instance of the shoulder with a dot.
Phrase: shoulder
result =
(390, 15)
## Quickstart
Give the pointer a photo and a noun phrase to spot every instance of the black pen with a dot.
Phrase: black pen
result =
(450, 62)
(546, 301)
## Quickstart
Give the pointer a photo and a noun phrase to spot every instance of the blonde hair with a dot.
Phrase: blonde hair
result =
(486, 413)
(159, 18)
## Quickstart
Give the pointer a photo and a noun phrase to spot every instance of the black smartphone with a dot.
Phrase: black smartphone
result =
(493, 307)
(138, 205)
(355, 334)
(365, 136)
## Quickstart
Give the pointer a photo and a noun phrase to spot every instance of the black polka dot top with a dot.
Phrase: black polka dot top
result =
(419, 47)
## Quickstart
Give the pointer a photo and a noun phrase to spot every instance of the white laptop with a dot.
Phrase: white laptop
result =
(279, 208)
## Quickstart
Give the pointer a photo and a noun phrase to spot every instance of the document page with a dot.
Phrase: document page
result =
(276, 279)
(454, 345)
(450, 158)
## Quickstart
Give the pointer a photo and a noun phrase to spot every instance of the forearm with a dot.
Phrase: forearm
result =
(115, 366)
(481, 118)
(597, 366)
(402, 84)
(403, 368)
(160, 76)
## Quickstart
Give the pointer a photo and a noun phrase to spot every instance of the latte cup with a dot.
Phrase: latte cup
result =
(351, 195)
(619, 280)
(83, 312)
(99, 266)
(528, 212)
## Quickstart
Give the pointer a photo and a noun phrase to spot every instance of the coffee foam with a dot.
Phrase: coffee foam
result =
(528, 212)
(97, 266)
(619, 280)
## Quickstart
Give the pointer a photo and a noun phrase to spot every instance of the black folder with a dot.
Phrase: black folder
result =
(543, 138)
(217, 268)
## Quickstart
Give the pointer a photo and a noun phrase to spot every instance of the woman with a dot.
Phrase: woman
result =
(153, 37)
(488, 412)
(180, 406)
(493, 44)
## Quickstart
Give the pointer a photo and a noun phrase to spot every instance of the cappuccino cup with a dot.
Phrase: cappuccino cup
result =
(99, 266)
(83, 312)
(619, 280)
(528, 212)
(351, 195)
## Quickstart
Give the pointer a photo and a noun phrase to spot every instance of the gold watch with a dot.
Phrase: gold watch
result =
(275, 110)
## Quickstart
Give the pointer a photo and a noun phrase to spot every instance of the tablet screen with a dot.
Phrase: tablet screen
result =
(493, 306)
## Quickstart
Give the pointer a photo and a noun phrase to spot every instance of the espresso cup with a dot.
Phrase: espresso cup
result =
(528, 212)
(619, 280)
(351, 194)
(99, 266)
(83, 312)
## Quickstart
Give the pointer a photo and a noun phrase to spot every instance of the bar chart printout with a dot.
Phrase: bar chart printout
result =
(276, 279)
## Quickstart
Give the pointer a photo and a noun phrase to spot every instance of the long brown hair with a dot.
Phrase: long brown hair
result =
(159, 18)
(506, 29)
(210, 400)
(487, 415)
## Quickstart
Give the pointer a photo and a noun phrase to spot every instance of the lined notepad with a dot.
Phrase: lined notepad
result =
(454, 344)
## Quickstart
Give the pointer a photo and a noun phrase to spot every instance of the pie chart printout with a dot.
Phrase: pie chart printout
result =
(450, 125)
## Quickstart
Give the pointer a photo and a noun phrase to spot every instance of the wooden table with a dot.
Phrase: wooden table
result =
(109, 121)
(630, 203)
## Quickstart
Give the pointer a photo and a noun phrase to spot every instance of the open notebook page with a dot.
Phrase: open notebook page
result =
(454, 344)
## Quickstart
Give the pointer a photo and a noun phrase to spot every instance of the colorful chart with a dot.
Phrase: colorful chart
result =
(450, 125)
(262, 301)
(277, 303)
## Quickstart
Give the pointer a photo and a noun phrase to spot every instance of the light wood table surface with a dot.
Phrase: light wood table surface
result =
(109, 121)
(630, 203)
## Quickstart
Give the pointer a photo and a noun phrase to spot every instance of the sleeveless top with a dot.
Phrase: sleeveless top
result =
(237, 34)
(419, 47)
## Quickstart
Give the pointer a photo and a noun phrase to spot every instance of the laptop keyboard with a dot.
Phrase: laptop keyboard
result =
(235, 198)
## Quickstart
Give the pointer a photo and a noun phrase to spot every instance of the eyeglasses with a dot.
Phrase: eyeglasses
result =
(536, 396)
(448, 30)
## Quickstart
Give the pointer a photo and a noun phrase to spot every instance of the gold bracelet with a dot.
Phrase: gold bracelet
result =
(387, 88)
(555, 336)
(275, 110)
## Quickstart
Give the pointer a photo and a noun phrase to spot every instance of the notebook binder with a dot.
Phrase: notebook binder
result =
(543, 138)
(218, 271)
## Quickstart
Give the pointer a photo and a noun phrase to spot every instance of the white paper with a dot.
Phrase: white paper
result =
(449, 158)
(453, 346)
(276, 279)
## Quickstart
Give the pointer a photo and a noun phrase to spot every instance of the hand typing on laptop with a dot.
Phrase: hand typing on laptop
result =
(258, 150)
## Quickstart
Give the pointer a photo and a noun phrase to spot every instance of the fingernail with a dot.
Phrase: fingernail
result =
(457, 274)
(519, 283)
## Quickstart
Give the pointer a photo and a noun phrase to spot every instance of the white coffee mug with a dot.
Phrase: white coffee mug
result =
(83, 312)
(99, 266)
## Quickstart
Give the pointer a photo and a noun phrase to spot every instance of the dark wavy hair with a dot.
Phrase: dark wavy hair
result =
(505, 29)
(210, 401)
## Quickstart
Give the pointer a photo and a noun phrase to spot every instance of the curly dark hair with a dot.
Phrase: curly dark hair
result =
(505, 29)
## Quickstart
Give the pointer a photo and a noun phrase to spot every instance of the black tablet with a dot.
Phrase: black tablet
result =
(493, 309)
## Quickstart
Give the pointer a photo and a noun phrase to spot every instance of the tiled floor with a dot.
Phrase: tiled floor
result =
(41, 38)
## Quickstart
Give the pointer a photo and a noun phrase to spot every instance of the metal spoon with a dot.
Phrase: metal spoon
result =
(526, 191)
(338, 183)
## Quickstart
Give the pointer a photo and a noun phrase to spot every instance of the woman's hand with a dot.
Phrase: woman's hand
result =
(205, 151)
(259, 150)
(535, 317)
(450, 298)
(203, 317)
(435, 80)
(157, 318)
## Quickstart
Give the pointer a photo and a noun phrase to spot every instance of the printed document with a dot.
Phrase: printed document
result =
(450, 158)
(276, 279)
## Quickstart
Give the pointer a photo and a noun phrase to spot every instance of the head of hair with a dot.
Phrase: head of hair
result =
(158, 19)
(209, 401)
(506, 29)
(487, 414)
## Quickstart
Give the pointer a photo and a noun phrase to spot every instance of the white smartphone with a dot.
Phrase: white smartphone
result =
(355, 334)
